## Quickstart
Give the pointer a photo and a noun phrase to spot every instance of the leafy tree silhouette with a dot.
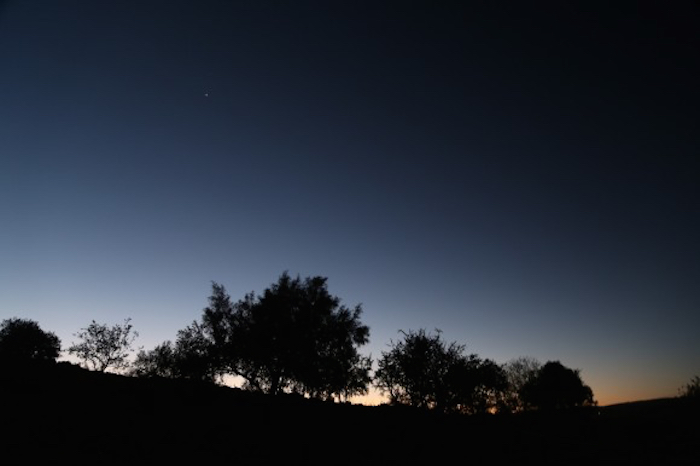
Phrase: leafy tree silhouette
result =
(193, 351)
(295, 337)
(220, 321)
(411, 371)
(104, 347)
(489, 387)
(425, 372)
(189, 357)
(557, 387)
(519, 372)
(23, 341)
(158, 362)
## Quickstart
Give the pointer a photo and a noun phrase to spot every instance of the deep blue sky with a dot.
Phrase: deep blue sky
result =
(525, 180)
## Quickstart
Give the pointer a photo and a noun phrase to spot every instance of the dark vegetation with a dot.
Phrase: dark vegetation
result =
(64, 412)
(103, 347)
(425, 372)
(23, 342)
(296, 347)
(691, 389)
(294, 338)
(297, 338)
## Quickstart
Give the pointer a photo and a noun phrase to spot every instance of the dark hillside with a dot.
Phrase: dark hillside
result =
(664, 429)
(62, 412)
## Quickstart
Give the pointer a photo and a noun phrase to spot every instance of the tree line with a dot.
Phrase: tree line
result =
(298, 338)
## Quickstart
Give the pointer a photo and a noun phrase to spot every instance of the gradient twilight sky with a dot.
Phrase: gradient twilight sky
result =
(525, 180)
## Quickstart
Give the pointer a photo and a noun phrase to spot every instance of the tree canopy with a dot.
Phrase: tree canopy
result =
(190, 357)
(103, 347)
(22, 341)
(424, 371)
(294, 337)
(557, 387)
(298, 336)
(519, 372)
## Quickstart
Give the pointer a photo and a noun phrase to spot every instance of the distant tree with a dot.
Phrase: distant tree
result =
(22, 341)
(412, 371)
(425, 372)
(104, 347)
(489, 388)
(691, 389)
(188, 358)
(158, 362)
(473, 385)
(557, 387)
(220, 322)
(193, 354)
(201, 351)
(519, 372)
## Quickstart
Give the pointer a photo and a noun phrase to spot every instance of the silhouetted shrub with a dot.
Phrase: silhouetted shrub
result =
(22, 341)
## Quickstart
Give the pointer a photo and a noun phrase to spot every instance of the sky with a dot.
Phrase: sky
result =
(523, 178)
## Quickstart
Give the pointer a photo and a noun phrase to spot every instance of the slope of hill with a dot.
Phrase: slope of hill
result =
(63, 412)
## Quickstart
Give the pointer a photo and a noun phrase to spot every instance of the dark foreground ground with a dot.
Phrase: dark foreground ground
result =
(64, 413)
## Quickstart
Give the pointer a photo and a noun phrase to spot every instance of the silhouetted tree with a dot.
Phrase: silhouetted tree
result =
(519, 372)
(423, 371)
(189, 357)
(472, 385)
(297, 336)
(193, 354)
(158, 362)
(201, 351)
(412, 372)
(357, 378)
(104, 347)
(490, 385)
(23, 341)
(557, 387)
(220, 320)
